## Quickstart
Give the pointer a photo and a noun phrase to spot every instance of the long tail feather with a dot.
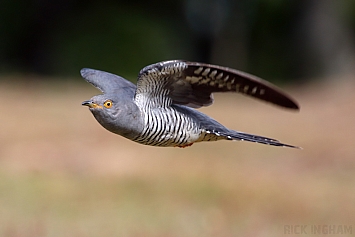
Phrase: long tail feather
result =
(234, 135)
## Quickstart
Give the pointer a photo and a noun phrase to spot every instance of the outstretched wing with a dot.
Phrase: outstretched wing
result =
(192, 84)
(106, 82)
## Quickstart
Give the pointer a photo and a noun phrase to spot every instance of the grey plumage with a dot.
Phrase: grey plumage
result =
(160, 110)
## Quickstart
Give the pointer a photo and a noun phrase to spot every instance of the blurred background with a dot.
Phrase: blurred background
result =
(62, 174)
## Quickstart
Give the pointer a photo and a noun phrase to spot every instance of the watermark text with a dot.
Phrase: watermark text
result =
(318, 229)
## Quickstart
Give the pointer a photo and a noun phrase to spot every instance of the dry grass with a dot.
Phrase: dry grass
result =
(63, 175)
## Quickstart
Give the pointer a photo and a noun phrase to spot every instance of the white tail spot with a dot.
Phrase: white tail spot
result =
(220, 76)
(245, 89)
(229, 86)
(198, 70)
(253, 91)
(213, 74)
(204, 81)
(206, 71)
(193, 80)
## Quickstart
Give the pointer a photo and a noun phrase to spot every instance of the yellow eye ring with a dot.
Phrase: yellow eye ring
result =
(108, 104)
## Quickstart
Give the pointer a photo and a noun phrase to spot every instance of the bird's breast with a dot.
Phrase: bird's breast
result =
(168, 127)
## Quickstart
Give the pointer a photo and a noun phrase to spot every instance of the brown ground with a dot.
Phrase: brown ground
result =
(62, 174)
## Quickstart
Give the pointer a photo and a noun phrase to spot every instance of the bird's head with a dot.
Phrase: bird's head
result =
(114, 109)
(109, 111)
(103, 106)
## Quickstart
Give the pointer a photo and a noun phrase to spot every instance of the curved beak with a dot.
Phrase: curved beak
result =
(90, 104)
(86, 103)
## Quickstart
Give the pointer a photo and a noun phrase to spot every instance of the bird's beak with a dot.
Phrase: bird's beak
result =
(91, 104)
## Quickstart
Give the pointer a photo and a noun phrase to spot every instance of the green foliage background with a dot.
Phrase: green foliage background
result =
(272, 39)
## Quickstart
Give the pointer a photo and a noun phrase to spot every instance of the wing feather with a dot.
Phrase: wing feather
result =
(192, 84)
(107, 82)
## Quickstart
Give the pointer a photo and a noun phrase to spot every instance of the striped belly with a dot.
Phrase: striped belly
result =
(167, 127)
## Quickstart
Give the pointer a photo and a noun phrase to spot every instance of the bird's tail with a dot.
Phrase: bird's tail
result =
(235, 135)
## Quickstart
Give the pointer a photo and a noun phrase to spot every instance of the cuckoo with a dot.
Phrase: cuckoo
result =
(161, 109)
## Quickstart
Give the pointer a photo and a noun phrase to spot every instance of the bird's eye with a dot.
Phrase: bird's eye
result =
(108, 104)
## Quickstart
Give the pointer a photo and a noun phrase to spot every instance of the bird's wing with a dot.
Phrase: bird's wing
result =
(192, 84)
(106, 82)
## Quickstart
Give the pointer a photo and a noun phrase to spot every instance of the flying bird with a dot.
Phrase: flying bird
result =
(161, 109)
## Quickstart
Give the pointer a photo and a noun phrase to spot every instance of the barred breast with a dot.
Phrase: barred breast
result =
(167, 127)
